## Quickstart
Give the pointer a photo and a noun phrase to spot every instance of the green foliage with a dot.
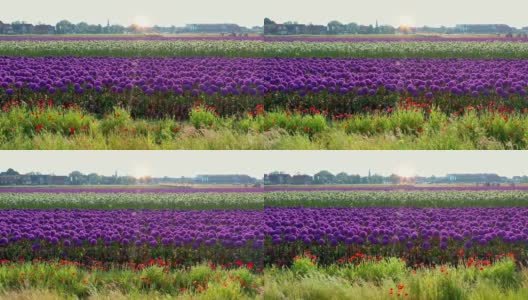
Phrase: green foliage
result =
(503, 274)
(397, 198)
(407, 121)
(291, 123)
(390, 268)
(368, 125)
(120, 119)
(390, 279)
(200, 274)
(303, 265)
(195, 48)
(71, 281)
(33, 121)
(203, 117)
(132, 200)
(70, 128)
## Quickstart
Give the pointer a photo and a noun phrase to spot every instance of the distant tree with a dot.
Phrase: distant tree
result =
(387, 29)
(94, 179)
(65, 27)
(336, 27)
(116, 29)
(335, 23)
(394, 179)
(355, 179)
(324, 177)
(268, 21)
(126, 180)
(11, 172)
(134, 28)
(85, 28)
(376, 179)
(342, 178)
(77, 178)
(82, 28)
(145, 180)
(352, 28)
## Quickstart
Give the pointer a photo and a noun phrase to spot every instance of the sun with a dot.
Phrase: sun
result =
(141, 21)
(407, 21)
(141, 171)
(406, 170)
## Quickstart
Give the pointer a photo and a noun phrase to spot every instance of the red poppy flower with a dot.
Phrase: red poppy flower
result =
(72, 130)
(38, 127)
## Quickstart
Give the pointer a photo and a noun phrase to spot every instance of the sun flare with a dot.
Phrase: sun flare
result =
(406, 171)
(407, 21)
(141, 21)
(141, 171)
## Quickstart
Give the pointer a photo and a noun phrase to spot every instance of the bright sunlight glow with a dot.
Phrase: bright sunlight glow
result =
(406, 171)
(407, 21)
(141, 21)
(141, 171)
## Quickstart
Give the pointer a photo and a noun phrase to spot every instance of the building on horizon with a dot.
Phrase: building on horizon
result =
(474, 178)
(213, 28)
(225, 179)
(483, 28)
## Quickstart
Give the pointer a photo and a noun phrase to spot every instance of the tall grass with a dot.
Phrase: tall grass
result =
(70, 281)
(391, 279)
(386, 279)
(60, 128)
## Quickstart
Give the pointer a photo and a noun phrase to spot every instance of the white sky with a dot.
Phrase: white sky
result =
(256, 163)
(252, 12)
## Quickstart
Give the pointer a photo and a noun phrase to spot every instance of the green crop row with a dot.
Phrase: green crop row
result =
(483, 198)
(448, 49)
(132, 200)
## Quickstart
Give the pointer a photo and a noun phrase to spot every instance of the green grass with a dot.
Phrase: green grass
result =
(61, 128)
(390, 277)
(406, 49)
(383, 279)
(397, 198)
(71, 282)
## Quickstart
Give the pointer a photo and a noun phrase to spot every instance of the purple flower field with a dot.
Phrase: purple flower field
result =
(418, 234)
(210, 76)
(413, 77)
(243, 76)
(132, 234)
(193, 76)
